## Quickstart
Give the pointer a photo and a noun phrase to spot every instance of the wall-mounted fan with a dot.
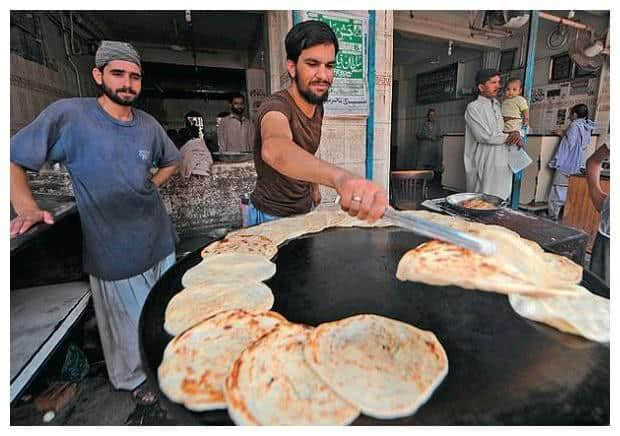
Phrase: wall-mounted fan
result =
(506, 19)
(586, 50)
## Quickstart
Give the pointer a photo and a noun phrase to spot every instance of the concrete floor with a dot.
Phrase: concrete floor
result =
(96, 403)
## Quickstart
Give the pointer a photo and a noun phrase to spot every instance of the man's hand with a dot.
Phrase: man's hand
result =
(514, 138)
(361, 197)
(163, 174)
(316, 194)
(520, 143)
(598, 198)
(21, 223)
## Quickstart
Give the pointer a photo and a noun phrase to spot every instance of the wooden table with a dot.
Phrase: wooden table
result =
(579, 211)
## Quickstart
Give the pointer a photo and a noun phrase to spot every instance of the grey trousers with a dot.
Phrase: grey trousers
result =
(118, 305)
(557, 195)
(599, 262)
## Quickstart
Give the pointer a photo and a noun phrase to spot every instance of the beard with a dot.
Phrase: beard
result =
(113, 95)
(237, 111)
(308, 95)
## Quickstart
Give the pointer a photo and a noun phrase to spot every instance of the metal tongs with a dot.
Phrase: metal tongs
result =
(437, 231)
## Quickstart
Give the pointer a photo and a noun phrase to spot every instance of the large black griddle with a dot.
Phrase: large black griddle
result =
(503, 369)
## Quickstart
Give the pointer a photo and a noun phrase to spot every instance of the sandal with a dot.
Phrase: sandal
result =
(144, 395)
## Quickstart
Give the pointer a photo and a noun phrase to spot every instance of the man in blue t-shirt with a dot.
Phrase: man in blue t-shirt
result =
(109, 149)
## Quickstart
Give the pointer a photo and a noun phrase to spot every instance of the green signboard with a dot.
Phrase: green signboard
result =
(349, 92)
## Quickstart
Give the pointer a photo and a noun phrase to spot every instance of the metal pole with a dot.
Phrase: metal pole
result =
(528, 83)
(370, 124)
(563, 21)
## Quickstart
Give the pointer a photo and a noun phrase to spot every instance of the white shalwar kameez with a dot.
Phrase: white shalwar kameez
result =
(486, 153)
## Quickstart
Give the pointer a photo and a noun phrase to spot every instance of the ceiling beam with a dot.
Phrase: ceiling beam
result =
(453, 26)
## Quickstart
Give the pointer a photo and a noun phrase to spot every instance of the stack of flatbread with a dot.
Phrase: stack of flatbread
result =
(550, 293)
(229, 277)
(385, 367)
(272, 384)
(196, 362)
(268, 371)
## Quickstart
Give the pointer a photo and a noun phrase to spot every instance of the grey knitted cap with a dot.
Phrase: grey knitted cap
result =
(116, 51)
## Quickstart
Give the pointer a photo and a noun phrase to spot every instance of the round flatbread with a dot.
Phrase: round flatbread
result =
(565, 270)
(196, 363)
(385, 367)
(271, 384)
(442, 264)
(584, 314)
(316, 221)
(351, 221)
(278, 231)
(227, 267)
(192, 305)
(242, 243)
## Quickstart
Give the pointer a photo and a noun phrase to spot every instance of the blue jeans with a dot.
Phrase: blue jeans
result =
(256, 216)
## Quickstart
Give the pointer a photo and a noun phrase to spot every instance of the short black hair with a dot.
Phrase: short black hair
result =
(192, 130)
(236, 95)
(193, 114)
(308, 34)
(428, 112)
(581, 110)
(223, 114)
(485, 75)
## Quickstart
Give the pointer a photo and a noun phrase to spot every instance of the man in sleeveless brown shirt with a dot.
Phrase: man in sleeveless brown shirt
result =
(288, 132)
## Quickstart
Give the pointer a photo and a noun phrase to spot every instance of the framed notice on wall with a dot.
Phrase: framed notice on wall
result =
(561, 68)
(349, 92)
(437, 85)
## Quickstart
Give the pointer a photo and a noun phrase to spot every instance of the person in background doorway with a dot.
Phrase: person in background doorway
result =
(109, 149)
(218, 128)
(599, 262)
(196, 158)
(430, 153)
(568, 158)
(236, 132)
(192, 119)
(486, 144)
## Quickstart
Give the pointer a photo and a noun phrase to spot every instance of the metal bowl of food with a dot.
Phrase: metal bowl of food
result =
(232, 156)
(476, 203)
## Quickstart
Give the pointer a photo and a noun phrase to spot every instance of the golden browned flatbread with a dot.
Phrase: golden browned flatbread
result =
(242, 243)
(440, 263)
(564, 269)
(385, 367)
(196, 363)
(271, 384)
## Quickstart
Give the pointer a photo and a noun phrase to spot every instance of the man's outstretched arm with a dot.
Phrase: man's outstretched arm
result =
(359, 196)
